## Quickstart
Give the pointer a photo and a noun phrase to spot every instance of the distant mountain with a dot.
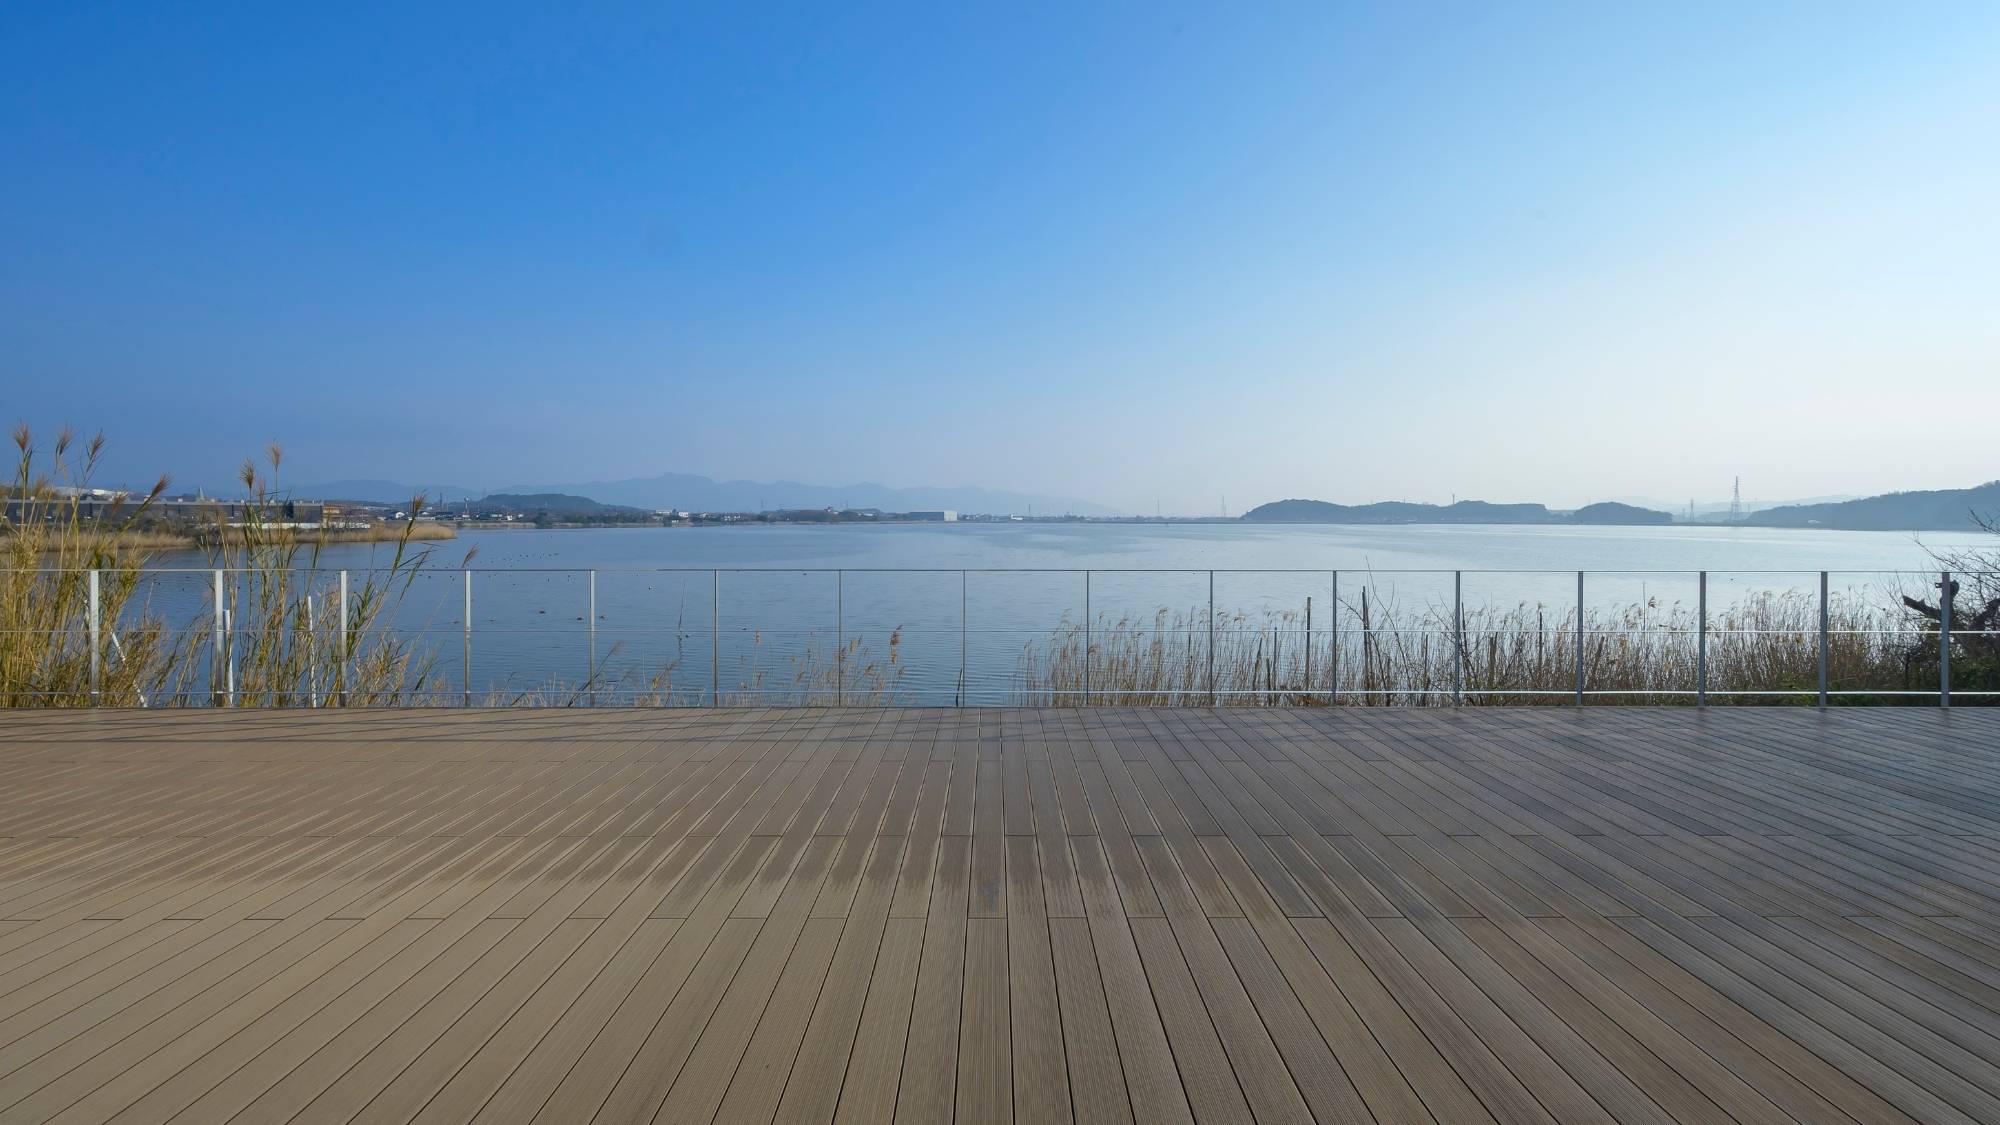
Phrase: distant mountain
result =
(1948, 509)
(703, 494)
(379, 491)
(554, 503)
(689, 492)
(1395, 511)
(1464, 511)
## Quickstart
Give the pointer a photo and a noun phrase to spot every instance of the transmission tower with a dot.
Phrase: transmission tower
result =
(1736, 501)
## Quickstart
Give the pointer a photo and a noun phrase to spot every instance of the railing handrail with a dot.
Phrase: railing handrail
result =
(1321, 570)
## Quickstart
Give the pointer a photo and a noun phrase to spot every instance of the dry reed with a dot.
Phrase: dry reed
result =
(1765, 648)
(287, 636)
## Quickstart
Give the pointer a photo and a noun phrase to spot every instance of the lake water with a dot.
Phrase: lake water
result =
(966, 600)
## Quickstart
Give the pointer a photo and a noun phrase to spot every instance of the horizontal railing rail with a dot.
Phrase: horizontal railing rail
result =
(1261, 643)
(1314, 570)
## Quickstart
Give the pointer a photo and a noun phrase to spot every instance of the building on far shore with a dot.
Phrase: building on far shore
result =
(945, 516)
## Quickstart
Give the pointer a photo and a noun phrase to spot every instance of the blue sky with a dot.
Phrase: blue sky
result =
(1132, 253)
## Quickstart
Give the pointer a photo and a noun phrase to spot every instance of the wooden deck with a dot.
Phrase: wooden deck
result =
(1395, 916)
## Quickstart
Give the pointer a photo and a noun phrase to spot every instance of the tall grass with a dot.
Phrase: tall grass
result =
(286, 636)
(1767, 647)
(289, 638)
(48, 551)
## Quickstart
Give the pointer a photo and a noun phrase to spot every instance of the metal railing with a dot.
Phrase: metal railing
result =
(1288, 659)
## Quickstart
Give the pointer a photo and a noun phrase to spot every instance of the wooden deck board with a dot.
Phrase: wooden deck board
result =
(1100, 915)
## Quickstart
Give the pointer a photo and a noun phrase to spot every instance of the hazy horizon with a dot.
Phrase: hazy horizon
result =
(772, 495)
(1145, 259)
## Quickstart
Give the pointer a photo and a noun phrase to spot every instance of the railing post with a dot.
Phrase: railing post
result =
(312, 658)
(345, 672)
(96, 641)
(220, 654)
(1823, 634)
(1701, 643)
(465, 664)
(1944, 639)
(590, 639)
(715, 639)
(1086, 638)
(1308, 678)
(1333, 642)
(1211, 638)
(839, 638)
(1458, 638)
(1579, 638)
(963, 629)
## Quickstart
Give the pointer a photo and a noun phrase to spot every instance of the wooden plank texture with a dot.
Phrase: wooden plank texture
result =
(1104, 915)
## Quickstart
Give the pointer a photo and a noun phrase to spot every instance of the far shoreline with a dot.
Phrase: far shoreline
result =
(157, 540)
(1207, 521)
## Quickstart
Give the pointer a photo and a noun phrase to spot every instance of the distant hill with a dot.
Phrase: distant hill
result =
(1948, 509)
(703, 494)
(379, 491)
(1396, 511)
(1465, 511)
(1611, 512)
(554, 503)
